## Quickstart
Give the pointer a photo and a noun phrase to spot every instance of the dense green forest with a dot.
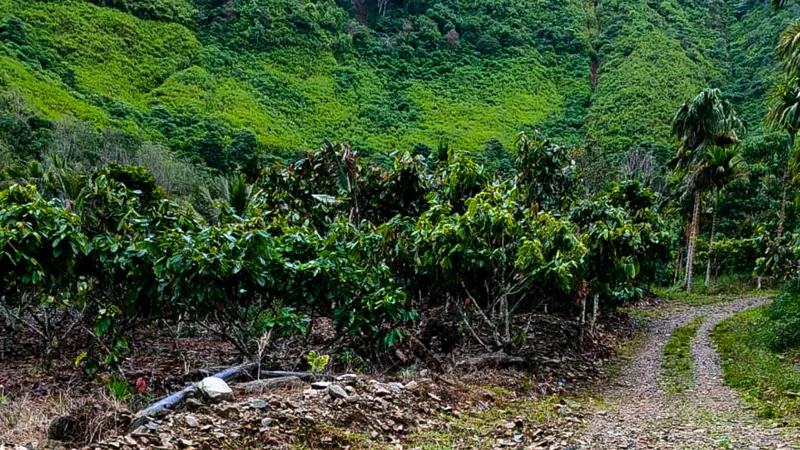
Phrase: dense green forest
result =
(213, 79)
(384, 183)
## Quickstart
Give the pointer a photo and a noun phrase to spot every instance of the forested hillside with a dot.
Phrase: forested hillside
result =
(216, 79)
(337, 205)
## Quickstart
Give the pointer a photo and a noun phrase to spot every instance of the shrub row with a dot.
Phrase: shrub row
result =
(329, 236)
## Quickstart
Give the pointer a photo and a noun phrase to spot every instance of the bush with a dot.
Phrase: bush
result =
(330, 236)
(137, 179)
(783, 328)
(627, 242)
(41, 246)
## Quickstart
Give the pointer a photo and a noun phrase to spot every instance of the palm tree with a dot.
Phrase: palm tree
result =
(784, 114)
(718, 167)
(706, 120)
(237, 193)
(788, 49)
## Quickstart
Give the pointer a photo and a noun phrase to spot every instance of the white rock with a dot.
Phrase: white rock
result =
(215, 389)
(192, 421)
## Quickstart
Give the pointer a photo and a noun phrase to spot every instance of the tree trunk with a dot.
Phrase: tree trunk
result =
(785, 181)
(693, 239)
(711, 247)
(679, 255)
(361, 12)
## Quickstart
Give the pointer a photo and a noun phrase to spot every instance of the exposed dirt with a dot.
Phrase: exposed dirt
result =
(553, 362)
(644, 415)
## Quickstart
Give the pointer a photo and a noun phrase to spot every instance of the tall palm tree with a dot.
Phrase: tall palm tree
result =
(707, 120)
(717, 168)
(784, 114)
(788, 49)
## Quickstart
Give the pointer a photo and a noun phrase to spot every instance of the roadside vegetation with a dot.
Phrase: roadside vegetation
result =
(725, 288)
(677, 367)
(766, 377)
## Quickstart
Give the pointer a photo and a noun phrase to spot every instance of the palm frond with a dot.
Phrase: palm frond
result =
(788, 49)
(707, 120)
(784, 107)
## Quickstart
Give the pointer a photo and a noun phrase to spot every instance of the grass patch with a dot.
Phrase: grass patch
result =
(768, 381)
(709, 296)
(677, 368)
(723, 290)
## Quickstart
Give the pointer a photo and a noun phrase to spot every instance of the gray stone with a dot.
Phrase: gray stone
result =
(412, 386)
(192, 421)
(347, 378)
(380, 390)
(258, 404)
(336, 391)
(215, 390)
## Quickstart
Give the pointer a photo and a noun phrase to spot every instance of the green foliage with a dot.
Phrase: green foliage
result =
(334, 236)
(733, 256)
(296, 73)
(317, 362)
(767, 380)
(677, 366)
(41, 246)
(226, 82)
(546, 172)
(165, 10)
(138, 180)
(119, 389)
(783, 329)
(627, 242)
(779, 259)
(707, 120)
(120, 112)
(650, 57)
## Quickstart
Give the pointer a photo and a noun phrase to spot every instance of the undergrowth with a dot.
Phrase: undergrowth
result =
(767, 380)
(725, 288)
(677, 368)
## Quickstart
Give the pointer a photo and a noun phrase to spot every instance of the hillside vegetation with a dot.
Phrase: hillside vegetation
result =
(195, 74)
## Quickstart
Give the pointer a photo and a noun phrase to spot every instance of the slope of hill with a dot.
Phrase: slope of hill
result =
(383, 75)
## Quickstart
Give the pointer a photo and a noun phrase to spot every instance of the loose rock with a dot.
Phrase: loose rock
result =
(215, 390)
(336, 391)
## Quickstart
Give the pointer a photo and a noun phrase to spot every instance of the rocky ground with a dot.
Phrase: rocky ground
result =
(351, 411)
(421, 410)
(644, 415)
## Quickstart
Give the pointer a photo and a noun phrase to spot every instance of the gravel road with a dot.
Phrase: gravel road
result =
(642, 415)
